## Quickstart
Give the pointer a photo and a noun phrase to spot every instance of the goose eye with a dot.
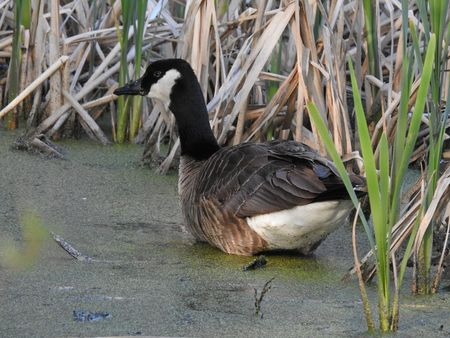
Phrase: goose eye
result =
(157, 74)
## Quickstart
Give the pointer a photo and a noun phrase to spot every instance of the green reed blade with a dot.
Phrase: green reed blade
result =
(22, 15)
(139, 36)
(123, 106)
(333, 153)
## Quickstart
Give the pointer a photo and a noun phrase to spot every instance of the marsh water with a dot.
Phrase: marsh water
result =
(148, 276)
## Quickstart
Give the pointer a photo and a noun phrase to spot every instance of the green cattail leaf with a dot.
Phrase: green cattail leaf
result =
(422, 94)
(384, 182)
(368, 157)
(332, 152)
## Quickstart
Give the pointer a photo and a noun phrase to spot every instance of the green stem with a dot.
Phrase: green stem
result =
(384, 317)
(424, 263)
(372, 46)
(371, 31)
(395, 312)
(123, 106)
(21, 16)
(137, 100)
(433, 14)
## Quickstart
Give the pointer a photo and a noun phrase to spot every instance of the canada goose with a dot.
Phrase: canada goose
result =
(247, 198)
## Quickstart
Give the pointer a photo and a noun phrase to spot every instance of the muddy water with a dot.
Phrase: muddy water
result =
(148, 275)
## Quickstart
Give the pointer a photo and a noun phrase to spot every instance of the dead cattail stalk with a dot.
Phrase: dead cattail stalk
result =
(86, 118)
(27, 91)
(440, 268)
(55, 82)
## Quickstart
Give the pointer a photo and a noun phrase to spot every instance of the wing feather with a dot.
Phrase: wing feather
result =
(252, 179)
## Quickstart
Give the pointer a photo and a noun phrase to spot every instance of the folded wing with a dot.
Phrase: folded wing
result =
(254, 179)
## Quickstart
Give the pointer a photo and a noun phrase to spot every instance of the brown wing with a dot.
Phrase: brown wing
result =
(252, 179)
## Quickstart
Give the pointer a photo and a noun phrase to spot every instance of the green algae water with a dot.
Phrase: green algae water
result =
(149, 275)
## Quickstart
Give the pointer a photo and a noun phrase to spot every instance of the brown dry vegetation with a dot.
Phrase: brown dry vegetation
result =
(257, 63)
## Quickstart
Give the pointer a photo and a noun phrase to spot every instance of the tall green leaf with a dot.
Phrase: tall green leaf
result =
(371, 31)
(22, 17)
(139, 36)
(333, 153)
(122, 112)
(380, 226)
(419, 106)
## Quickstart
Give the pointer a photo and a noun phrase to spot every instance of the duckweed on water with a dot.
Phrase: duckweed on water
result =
(130, 223)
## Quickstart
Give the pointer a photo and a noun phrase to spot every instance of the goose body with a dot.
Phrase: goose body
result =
(248, 198)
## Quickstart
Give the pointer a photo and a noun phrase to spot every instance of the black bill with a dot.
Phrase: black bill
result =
(132, 88)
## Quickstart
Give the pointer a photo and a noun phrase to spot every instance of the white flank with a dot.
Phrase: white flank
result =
(301, 227)
(161, 90)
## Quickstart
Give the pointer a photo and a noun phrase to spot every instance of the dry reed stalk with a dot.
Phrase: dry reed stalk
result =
(36, 55)
(86, 118)
(54, 54)
(256, 61)
(441, 198)
(256, 32)
(274, 106)
(47, 74)
(24, 68)
(100, 101)
(440, 266)
(45, 148)
(6, 42)
(301, 88)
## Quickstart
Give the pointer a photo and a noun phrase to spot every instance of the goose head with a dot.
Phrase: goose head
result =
(173, 83)
(161, 79)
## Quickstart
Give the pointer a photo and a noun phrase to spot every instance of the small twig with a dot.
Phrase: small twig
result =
(45, 147)
(70, 249)
(100, 101)
(259, 299)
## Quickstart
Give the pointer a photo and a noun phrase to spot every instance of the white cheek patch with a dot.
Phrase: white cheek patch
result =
(161, 90)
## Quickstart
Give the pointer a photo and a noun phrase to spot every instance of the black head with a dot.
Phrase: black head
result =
(174, 83)
(158, 79)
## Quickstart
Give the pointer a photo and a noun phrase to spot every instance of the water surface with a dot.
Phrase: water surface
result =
(149, 275)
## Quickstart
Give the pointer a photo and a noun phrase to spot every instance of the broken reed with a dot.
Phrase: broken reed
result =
(132, 12)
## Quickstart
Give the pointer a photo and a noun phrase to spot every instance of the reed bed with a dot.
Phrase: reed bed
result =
(260, 65)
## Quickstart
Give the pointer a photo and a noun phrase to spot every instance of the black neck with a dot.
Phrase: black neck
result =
(188, 105)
